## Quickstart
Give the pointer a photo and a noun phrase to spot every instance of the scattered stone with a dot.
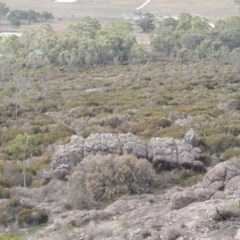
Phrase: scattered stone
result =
(192, 138)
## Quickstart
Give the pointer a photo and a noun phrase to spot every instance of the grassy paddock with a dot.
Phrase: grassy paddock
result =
(106, 9)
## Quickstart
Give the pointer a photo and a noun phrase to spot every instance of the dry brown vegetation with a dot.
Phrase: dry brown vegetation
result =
(168, 99)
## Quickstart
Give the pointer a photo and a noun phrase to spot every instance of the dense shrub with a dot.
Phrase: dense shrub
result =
(162, 123)
(230, 153)
(189, 178)
(108, 177)
(31, 216)
(221, 142)
(77, 196)
(8, 211)
(5, 182)
(57, 134)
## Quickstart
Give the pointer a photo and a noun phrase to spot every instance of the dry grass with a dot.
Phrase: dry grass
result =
(115, 9)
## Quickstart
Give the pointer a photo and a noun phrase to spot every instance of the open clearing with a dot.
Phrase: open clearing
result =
(105, 9)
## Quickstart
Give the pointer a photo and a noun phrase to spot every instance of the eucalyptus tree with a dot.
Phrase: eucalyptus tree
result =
(14, 96)
(78, 42)
(17, 17)
(228, 32)
(10, 51)
(165, 38)
(40, 42)
(10, 47)
(140, 57)
(146, 21)
(20, 147)
(32, 16)
(118, 40)
(46, 16)
(181, 37)
(4, 9)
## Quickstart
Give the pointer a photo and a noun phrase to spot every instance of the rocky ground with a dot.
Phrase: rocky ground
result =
(208, 210)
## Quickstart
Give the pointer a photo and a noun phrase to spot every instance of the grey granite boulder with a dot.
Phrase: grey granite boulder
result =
(61, 172)
(219, 176)
(233, 185)
(192, 138)
(168, 153)
(131, 144)
(69, 154)
(165, 153)
(184, 198)
(102, 143)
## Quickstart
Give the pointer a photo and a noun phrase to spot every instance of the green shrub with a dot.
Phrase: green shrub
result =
(10, 134)
(109, 177)
(59, 133)
(230, 153)
(31, 217)
(221, 142)
(162, 123)
(164, 100)
(92, 103)
(188, 177)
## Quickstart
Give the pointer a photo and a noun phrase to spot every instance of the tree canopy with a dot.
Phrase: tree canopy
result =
(88, 43)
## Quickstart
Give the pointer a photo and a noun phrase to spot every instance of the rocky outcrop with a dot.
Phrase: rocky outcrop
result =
(61, 172)
(184, 198)
(70, 154)
(164, 153)
(221, 177)
(104, 143)
(169, 153)
(179, 213)
(144, 217)
(131, 144)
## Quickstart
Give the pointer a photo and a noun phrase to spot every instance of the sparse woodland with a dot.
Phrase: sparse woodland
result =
(93, 78)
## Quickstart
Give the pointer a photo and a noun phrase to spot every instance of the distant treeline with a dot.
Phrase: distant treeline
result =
(88, 43)
(19, 17)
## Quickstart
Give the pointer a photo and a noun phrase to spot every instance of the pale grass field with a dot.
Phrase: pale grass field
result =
(107, 11)
(114, 9)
